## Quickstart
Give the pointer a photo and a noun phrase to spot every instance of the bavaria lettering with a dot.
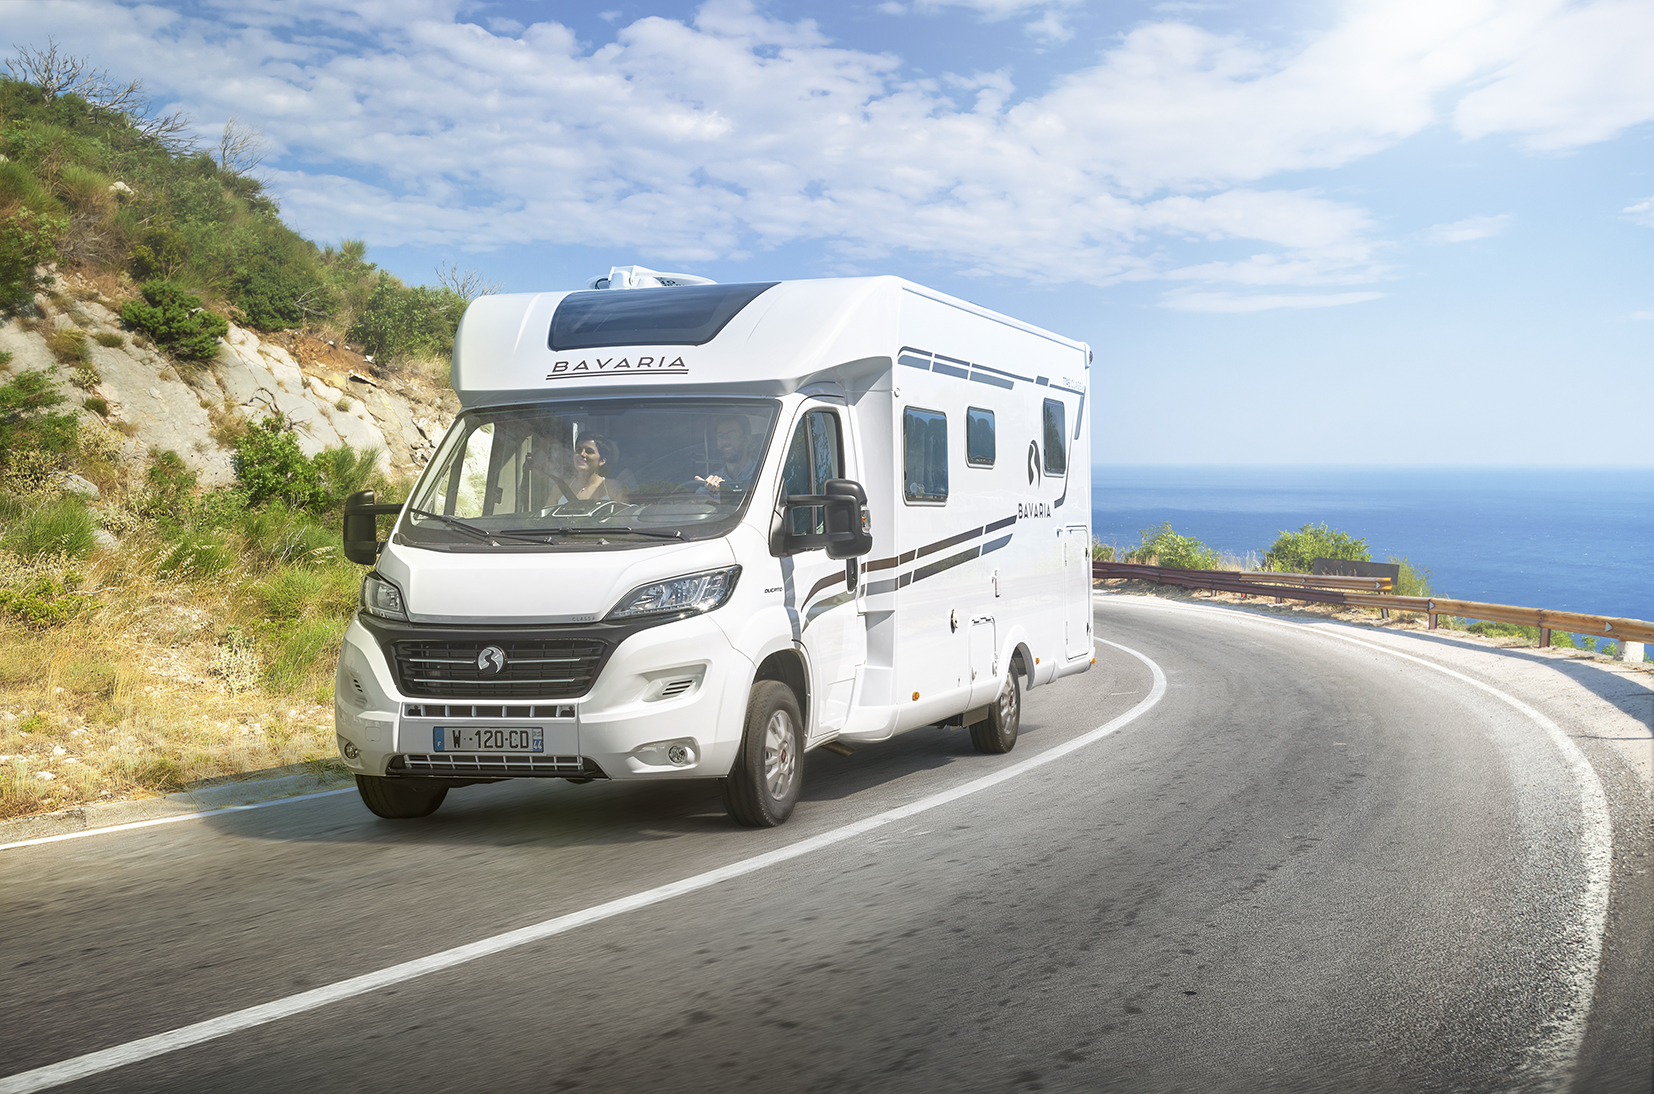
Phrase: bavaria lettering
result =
(562, 370)
(1031, 509)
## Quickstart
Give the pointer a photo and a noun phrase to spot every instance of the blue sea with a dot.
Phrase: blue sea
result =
(1575, 539)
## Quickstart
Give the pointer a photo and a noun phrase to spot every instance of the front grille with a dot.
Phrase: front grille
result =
(558, 668)
(518, 766)
(494, 712)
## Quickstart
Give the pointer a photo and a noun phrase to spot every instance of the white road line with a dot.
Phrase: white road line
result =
(1559, 1053)
(84, 832)
(94, 1063)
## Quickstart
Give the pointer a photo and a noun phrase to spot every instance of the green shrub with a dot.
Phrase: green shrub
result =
(27, 240)
(176, 320)
(59, 526)
(1411, 580)
(27, 422)
(46, 601)
(1296, 552)
(277, 284)
(1101, 552)
(270, 466)
(398, 321)
(1163, 547)
(96, 405)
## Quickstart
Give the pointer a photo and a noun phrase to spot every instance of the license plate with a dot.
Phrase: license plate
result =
(489, 739)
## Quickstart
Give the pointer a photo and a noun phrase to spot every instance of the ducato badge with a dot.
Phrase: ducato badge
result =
(491, 661)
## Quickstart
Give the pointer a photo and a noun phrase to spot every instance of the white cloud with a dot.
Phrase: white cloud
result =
(734, 132)
(1640, 213)
(1580, 73)
(1463, 231)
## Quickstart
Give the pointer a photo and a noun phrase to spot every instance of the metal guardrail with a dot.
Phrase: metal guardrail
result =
(1350, 591)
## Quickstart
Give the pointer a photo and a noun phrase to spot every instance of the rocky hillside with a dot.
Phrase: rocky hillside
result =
(136, 400)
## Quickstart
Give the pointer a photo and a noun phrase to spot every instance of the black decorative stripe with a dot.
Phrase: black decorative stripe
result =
(951, 360)
(1042, 381)
(913, 362)
(994, 380)
(874, 588)
(1001, 372)
(932, 548)
(824, 583)
(946, 564)
(950, 370)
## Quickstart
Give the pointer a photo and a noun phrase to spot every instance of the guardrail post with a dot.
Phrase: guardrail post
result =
(1632, 652)
(1544, 637)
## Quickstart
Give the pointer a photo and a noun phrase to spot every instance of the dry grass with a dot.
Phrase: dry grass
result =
(148, 691)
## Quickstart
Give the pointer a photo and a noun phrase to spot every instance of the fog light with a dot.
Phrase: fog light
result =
(678, 755)
(349, 749)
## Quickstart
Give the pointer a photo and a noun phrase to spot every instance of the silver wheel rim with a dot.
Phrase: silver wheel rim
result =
(780, 758)
(1008, 705)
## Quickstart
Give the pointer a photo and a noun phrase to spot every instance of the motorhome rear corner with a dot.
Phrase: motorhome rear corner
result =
(599, 575)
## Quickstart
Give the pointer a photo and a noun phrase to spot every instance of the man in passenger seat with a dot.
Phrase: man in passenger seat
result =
(731, 438)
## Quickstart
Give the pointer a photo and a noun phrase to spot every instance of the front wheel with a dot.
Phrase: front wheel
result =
(997, 733)
(762, 788)
(399, 799)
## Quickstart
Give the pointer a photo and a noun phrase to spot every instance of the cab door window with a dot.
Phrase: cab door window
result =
(815, 455)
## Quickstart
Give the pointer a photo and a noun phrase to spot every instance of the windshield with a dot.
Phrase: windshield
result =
(591, 473)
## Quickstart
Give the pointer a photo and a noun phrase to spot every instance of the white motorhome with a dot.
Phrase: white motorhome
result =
(691, 530)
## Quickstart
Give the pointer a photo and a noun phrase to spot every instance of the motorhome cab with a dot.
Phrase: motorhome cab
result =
(691, 530)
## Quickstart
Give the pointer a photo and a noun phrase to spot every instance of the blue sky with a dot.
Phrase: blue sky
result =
(1363, 233)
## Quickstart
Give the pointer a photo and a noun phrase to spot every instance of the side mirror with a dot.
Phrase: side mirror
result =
(845, 531)
(362, 542)
(848, 532)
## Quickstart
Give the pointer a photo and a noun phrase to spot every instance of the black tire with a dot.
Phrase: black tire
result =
(997, 733)
(400, 799)
(762, 788)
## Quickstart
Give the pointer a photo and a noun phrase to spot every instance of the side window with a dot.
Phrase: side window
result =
(815, 455)
(468, 482)
(979, 437)
(925, 455)
(1056, 451)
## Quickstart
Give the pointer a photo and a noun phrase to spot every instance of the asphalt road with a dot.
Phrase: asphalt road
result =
(1308, 865)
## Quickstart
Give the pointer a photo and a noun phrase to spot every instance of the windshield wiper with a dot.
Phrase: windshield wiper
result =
(603, 530)
(465, 526)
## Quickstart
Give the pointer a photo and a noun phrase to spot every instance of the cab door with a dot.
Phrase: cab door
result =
(827, 621)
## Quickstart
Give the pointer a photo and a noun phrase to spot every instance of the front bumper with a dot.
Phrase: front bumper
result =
(668, 702)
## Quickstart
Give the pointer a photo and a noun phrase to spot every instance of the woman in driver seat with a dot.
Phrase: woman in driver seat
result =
(594, 453)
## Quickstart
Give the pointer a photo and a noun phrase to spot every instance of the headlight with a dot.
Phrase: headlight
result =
(691, 593)
(382, 598)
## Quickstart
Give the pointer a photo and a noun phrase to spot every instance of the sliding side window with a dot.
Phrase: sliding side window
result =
(979, 437)
(1056, 449)
(925, 455)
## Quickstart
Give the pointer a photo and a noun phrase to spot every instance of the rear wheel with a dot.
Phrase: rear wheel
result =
(762, 788)
(400, 799)
(997, 733)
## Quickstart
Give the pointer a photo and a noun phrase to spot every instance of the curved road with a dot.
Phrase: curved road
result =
(1302, 863)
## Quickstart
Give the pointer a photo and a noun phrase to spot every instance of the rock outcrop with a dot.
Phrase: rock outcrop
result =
(328, 393)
